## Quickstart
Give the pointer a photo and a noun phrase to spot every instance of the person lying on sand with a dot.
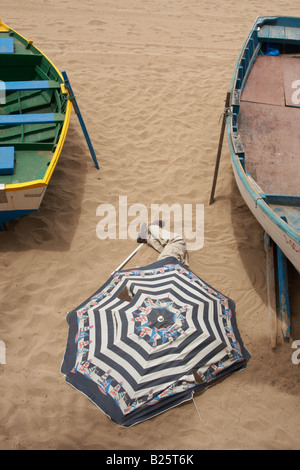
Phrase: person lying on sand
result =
(163, 241)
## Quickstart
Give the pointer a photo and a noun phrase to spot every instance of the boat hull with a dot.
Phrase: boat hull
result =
(17, 203)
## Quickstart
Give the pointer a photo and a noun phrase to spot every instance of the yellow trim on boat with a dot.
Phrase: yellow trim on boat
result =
(3, 27)
(63, 89)
(54, 160)
(59, 145)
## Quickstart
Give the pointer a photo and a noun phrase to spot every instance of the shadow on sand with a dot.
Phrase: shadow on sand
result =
(252, 254)
(53, 226)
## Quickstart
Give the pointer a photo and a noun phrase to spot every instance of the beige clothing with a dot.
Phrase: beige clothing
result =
(167, 244)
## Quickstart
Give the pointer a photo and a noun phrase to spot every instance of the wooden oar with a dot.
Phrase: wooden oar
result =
(80, 118)
(227, 102)
(271, 290)
(284, 300)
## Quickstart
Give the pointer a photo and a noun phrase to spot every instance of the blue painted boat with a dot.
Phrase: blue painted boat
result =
(263, 122)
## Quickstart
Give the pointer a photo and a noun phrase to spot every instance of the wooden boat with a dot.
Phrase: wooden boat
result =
(263, 122)
(34, 118)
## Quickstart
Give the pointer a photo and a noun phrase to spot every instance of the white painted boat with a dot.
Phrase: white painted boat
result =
(263, 123)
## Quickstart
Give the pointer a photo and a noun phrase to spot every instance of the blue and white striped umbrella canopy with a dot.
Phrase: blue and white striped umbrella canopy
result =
(135, 359)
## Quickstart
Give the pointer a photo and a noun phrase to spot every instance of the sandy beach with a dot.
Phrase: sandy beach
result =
(151, 79)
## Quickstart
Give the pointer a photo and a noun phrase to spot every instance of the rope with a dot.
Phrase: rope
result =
(227, 112)
(197, 409)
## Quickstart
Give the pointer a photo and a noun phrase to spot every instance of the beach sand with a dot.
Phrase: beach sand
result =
(151, 79)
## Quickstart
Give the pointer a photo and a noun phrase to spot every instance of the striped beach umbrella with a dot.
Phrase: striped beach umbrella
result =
(136, 357)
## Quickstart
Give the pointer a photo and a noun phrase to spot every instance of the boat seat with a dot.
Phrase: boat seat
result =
(17, 119)
(272, 33)
(7, 158)
(30, 85)
(6, 45)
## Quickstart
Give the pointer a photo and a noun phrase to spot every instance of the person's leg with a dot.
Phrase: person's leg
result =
(167, 244)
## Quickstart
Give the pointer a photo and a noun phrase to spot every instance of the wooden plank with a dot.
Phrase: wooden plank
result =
(7, 160)
(270, 136)
(265, 81)
(283, 295)
(290, 214)
(291, 80)
(29, 166)
(28, 145)
(16, 119)
(6, 45)
(31, 85)
(278, 33)
(16, 72)
(271, 290)
(20, 60)
(292, 35)
(30, 133)
(25, 101)
(283, 200)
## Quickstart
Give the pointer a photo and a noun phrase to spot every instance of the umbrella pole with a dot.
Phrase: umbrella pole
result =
(225, 113)
(128, 258)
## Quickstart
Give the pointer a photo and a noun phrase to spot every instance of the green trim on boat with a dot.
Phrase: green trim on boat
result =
(32, 116)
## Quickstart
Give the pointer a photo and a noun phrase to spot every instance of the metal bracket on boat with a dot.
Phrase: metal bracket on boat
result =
(259, 199)
(72, 99)
(237, 143)
(29, 43)
(236, 97)
(238, 147)
(235, 100)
